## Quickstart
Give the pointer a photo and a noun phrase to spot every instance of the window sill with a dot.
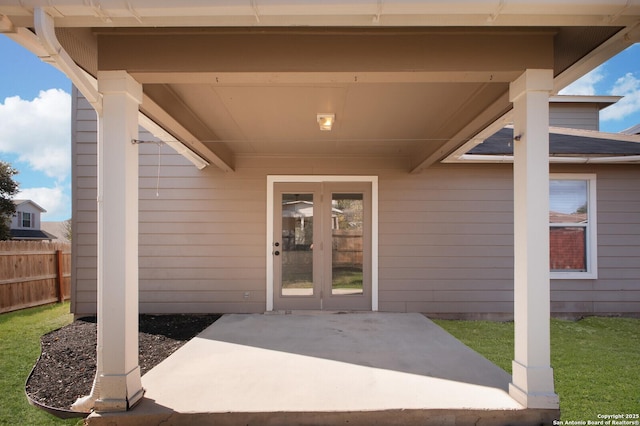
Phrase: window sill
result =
(574, 276)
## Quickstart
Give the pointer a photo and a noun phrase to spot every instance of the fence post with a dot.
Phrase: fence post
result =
(59, 275)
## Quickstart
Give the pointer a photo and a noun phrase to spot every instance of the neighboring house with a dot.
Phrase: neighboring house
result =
(379, 103)
(26, 224)
(633, 130)
(58, 229)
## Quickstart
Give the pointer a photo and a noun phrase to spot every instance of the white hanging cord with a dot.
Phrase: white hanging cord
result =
(159, 143)
(158, 178)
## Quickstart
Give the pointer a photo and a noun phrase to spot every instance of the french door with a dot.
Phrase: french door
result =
(322, 246)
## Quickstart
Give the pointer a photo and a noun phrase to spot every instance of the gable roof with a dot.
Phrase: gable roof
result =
(36, 205)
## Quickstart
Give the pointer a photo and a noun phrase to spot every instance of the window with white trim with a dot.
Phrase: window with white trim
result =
(27, 220)
(572, 226)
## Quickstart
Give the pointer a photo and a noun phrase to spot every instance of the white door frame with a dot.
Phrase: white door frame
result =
(273, 179)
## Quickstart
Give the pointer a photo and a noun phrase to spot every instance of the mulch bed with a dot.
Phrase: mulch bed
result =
(66, 368)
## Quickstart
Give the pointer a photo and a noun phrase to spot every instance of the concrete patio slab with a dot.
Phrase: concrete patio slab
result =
(324, 368)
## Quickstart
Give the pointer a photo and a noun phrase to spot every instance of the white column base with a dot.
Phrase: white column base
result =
(537, 380)
(112, 397)
(534, 400)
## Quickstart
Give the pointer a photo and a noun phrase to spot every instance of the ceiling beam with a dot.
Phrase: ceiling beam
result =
(429, 54)
(294, 78)
(489, 115)
(222, 157)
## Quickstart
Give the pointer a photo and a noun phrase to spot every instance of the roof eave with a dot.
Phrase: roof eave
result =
(320, 13)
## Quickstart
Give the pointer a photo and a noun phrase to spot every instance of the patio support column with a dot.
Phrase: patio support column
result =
(119, 385)
(532, 381)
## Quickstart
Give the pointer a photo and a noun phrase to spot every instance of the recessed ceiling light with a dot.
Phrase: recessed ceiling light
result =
(325, 121)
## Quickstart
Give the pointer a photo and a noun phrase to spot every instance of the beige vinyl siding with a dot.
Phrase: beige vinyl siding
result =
(445, 235)
(84, 193)
(201, 239)
(446, 240)
(584, 116)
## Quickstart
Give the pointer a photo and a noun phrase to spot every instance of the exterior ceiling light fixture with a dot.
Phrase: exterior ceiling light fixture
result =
(325, 121)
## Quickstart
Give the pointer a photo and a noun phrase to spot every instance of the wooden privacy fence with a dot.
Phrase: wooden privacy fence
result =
(33, 273)
(346, 252)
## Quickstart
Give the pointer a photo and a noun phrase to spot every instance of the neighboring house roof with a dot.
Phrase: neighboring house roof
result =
(57, 229)
(297, 209)
(582, 143)
(558, 217)
(600, 101)
(20, 202)
(634, 130)
(31, 234)
(301, 209)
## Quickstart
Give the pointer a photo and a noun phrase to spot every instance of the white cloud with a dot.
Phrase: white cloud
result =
(39, 131)
(585, 85)
(53, 200)
(629, 87)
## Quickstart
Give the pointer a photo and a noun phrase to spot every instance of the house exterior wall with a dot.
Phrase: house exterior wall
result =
(445, 235)
(84, 225)
(26, 207)
(585, 116)
(617, 289)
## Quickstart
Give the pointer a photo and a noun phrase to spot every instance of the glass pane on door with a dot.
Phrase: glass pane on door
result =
(297, 245)
(347, 227)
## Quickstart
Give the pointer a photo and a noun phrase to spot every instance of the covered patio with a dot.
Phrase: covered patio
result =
(326, 368)
(238, 88)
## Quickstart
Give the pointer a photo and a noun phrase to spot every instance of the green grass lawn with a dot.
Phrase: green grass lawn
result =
(20, 333)
(347, 278)
(596, 361)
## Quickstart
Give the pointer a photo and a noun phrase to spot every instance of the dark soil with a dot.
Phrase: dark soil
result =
(67, 366)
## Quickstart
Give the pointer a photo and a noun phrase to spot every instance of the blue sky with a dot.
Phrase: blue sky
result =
(35, 128)
(619, 76)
